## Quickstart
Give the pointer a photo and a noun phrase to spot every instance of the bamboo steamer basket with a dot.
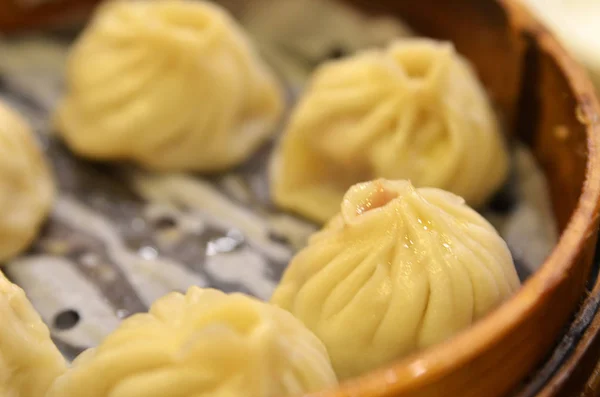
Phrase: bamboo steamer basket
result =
(34, 14)
(548, 103)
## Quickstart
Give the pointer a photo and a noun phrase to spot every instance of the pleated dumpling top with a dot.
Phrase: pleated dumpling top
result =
(29, 360)
(26, 184)
(203, 344)
(414, 111)
(399, 269)
(170, 85)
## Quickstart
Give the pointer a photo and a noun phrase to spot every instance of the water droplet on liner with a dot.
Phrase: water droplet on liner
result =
(148, 252)
(229, 243)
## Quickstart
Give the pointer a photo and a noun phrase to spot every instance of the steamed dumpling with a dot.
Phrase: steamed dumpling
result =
(171, 85)
(203, 344)
(399, 269)
(26, 185)
(29, 361)
(414, 111)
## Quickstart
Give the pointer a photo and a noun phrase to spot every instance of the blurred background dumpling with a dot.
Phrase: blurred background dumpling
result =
(413, 111)
(170, 85)
(26, 184)
(204, 343)
(399, 269)
(29, 360)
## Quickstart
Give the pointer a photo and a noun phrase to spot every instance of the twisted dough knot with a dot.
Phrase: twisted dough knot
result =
(205, 343)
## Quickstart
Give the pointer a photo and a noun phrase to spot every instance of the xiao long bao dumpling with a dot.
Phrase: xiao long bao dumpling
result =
(26, 185)
(399, 269)
(205, 343)
(414, 111)
(29, 361)
(170, 85)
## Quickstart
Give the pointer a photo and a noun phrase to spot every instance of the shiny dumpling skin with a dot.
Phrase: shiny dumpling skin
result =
(202, 344)
(170, 85)
(26, 184)
(29, 360)
(398, 270)
(413, 111)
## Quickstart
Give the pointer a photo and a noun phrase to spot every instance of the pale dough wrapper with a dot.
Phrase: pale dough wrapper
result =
(414, 111)
(26, 184)
(398, 270)
(29, 360)
(170, 85)
(204, 343)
